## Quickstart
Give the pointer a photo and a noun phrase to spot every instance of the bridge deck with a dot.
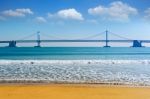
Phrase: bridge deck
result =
(30, 41)
(44, 41)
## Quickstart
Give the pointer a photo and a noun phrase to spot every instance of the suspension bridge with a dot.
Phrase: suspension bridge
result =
(106, 40)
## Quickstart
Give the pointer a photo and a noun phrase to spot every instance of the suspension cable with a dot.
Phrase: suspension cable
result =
(91, 36)
(50, 36)
(26, 37)
(119, 36)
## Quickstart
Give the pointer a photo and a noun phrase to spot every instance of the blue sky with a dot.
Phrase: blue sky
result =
(74, 18)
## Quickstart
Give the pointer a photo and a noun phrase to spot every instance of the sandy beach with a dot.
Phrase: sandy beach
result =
(72, 91)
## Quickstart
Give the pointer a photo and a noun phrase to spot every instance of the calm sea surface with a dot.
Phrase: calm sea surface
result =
(74, 53)
(76, 65)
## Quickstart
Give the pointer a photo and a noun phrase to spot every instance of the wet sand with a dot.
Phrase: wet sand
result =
(72, 91)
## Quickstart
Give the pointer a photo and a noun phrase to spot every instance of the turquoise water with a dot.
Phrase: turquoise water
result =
(74, 53)
(76, 65)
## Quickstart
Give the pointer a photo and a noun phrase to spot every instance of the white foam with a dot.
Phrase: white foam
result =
(75, 61)
(134, 72)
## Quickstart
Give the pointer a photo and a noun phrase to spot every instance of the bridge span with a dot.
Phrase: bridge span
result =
(136, 43)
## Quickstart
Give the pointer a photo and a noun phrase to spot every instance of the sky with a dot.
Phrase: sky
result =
(71, 19)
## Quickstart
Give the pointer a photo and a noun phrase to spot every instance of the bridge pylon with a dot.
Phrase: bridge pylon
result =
(38, 39)
(106, 39)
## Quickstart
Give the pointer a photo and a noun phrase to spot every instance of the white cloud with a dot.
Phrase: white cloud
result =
(115, 11)
(25, 11)
(70, 14)
(13, 13)
(17, 13)
(147, 13)
(40, 20)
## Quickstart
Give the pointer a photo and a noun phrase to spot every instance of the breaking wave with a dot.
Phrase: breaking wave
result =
(130, 72)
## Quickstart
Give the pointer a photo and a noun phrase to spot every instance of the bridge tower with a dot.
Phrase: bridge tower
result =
(38, 39)
(106, 39)
(12, 44)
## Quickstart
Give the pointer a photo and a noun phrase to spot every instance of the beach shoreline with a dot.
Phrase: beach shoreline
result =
(72, 91)
(73, 84)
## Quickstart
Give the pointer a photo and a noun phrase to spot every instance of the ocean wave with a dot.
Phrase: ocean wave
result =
(130, 72)
(75, 61)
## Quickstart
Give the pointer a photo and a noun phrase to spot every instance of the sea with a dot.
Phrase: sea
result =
(85, 65)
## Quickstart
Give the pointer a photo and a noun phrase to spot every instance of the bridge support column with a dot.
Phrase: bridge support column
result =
(12, 44)
(137, 43)
(38, 40)
(38, 43)
(106, 40)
